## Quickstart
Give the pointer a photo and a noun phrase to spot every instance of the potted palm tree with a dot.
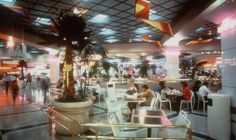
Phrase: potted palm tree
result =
(72, 32)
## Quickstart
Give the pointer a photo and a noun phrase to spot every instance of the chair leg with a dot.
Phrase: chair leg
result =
(180, 108)
(170, 106)
(191, 105)
(198, 104)
(203, 108)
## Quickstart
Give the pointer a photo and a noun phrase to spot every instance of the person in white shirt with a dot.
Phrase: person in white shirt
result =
(203, 90)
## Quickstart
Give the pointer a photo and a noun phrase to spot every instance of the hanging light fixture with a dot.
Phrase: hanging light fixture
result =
(10, 42)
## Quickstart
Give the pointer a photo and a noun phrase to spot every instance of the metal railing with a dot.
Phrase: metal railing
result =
(130, 125)
(72, 129)
(97, 127)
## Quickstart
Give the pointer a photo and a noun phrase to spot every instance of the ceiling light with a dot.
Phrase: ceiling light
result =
(79, 11)
(100, 18)
(44, 21)
(111, 40)
(210, 32)
(143, 54)
(142, 30)
(153, 12)
(106, 31)
(7, 2)
(10, 42)
(111, 37)
(137, 39)
(1, 44)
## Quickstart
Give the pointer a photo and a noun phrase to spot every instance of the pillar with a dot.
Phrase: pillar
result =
(172, 64)
(54, 70)
(228, 48)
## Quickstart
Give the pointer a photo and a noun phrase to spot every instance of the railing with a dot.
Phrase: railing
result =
(130, 125)
(72, 129)
(97, 126)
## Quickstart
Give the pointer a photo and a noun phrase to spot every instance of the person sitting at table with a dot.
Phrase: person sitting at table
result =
(203, 90)
(132, 105)
(133, 89)
(195, 88)
(185, 90)
(147, 94)
(158, 88)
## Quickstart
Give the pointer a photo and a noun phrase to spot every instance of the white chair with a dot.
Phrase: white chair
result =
(101, 92)
(119, 132)
(153, 104)
(164, 100)
(182, 119)
(204, 102)
(112, 107)
(191, 102)
(182, 114)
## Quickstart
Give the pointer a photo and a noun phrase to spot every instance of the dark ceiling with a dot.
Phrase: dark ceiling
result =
(119, 15)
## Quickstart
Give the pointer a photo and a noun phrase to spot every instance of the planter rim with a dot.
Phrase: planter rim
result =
(82, 104)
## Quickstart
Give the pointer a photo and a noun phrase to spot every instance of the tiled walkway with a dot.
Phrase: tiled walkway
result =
(28, 121)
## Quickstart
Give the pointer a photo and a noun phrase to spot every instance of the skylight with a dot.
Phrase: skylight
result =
(7, 2)
(142, 30)
(44, 21)
(100, 18)
(106, 31)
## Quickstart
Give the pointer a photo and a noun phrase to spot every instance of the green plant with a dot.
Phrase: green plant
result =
(22, 64)
(72, 32)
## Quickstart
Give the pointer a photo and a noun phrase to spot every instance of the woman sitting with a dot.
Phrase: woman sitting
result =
(132, 91)
(185, 90)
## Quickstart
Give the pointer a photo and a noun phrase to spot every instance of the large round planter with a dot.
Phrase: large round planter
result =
(79, 111)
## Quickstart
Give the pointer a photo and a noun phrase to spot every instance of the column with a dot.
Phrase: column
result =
(172, 64)
(54, 70)
(228, 48)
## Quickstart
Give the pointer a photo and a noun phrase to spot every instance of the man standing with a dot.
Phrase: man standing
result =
(44, 85)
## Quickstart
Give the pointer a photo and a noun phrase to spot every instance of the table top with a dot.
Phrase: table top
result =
(149, 113)
(151, 121)
(155, 117)
(134, 100)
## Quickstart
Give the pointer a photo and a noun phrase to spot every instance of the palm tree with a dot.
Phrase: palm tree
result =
(22, 64)
(71, 29)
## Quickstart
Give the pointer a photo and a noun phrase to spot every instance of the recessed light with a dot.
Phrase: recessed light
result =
(111, 40)
(44, 21)
(7, 2)
(106, 31)
(100, 18)
(142, 30)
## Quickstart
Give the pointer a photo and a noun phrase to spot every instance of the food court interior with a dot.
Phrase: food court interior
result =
(117, 69)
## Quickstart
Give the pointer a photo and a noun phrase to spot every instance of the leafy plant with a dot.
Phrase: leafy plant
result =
(72, 32)
(22, 64)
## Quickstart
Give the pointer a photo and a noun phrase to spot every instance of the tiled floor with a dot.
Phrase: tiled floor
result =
(27, 120)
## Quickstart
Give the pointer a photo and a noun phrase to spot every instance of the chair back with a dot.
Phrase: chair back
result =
(115, 130)
(120, 117)
(111, 104)
(200, 97)
(182, 120)
(156, 94)
(154, 103)
(182, 115)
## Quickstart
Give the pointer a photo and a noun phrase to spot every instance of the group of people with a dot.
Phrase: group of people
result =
(148, 94)
(23, 86)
